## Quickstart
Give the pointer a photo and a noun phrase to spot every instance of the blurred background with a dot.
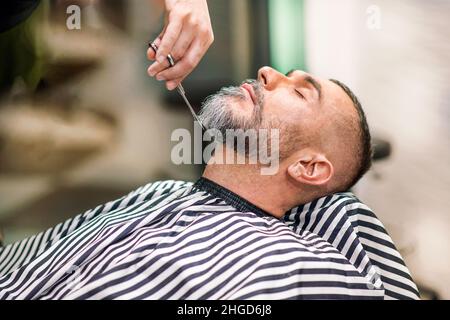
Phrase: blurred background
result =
(81, 123)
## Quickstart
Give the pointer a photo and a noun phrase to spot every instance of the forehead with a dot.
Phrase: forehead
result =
(335, 98)
(332, 95)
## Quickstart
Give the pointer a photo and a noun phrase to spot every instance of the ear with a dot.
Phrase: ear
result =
(315, 170)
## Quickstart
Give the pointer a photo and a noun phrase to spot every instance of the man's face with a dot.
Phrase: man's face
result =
(302, 107)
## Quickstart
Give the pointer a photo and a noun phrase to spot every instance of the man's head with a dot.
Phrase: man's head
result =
(324, 137)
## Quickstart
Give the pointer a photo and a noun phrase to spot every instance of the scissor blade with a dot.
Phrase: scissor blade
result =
(180, 87)
(183, 95)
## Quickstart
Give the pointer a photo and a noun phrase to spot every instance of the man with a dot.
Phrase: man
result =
(325, 144)
(233, 234)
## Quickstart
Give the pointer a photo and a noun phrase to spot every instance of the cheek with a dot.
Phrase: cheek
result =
(239, 106)
(285, 107)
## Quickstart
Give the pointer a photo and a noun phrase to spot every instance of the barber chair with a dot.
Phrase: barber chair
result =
(382, 149)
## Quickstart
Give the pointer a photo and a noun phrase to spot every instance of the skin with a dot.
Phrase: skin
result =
(187, 36)
(313, 167)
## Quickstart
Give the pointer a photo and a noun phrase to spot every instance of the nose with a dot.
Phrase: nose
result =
(270, 78)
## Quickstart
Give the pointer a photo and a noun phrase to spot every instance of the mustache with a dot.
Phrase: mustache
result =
(215, 113)
(236, 91)
(257, 88)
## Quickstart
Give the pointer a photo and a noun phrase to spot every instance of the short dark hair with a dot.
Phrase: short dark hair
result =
(364, 149)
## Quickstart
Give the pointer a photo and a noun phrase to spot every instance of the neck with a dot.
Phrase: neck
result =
(272, 193)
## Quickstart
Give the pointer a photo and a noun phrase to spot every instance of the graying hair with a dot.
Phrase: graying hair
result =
(216, 114)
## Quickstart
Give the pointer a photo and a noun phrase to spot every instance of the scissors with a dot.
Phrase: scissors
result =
(180, 88)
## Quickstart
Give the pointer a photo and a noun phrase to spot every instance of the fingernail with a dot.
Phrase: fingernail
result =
(171, 86)
(160, 78)
(151, 73)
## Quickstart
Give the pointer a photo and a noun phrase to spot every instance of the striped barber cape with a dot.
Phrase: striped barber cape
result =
(178, 240)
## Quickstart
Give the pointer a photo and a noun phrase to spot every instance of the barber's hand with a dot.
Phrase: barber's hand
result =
(187, 36)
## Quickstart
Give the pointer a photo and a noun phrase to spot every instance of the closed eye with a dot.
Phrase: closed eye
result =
(300, 94)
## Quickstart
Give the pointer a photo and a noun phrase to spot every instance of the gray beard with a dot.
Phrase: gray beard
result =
(217, 114)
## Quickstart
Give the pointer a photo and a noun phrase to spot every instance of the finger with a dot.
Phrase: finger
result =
(183, 44)
(151, 54)
(171, 85)
(169, 39)
(180, 49)
(185, 66)
(157, 67)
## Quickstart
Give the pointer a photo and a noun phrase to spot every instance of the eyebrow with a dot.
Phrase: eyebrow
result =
(311, 81)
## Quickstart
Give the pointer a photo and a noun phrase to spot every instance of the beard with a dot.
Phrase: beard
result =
(218, 112)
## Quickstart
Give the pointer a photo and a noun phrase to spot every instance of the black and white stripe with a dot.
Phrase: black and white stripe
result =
(352, 228)
(175, 240)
